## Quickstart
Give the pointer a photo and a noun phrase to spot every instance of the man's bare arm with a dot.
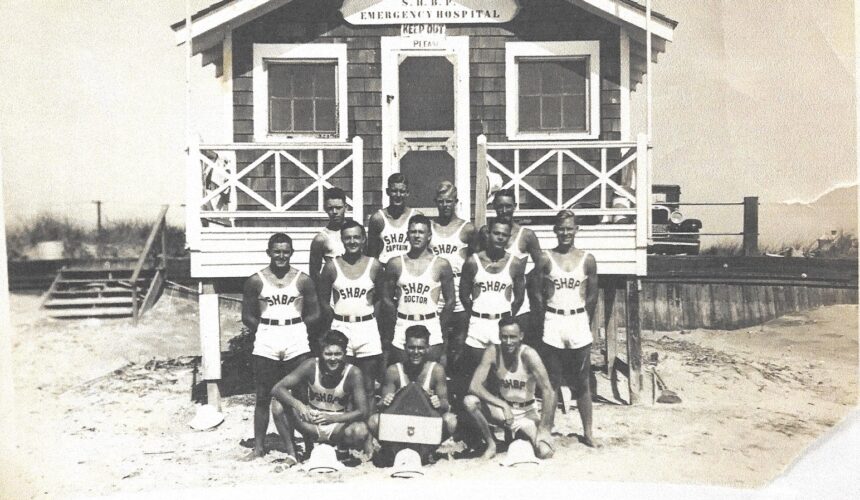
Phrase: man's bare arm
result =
(591, 285)
(294, 380)
(441, 387)
(318, 248)
(536, 284)
(446, 277)
(389, 385)
(360, 412)
(389, 282)
(374, 230)
(251, 303)
(310, 301)
(476, 386)
(467, 281)
(536, 368)
(324, 287)
(517, 271)
(470, 237)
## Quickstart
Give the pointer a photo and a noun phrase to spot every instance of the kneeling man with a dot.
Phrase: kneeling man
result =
(515, 369)
(331, 405)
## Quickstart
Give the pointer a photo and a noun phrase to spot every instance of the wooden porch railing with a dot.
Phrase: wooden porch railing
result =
(158, 229)
(215, 179)
(632, 166)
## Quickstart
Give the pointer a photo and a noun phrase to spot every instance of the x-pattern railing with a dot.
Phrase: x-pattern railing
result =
(604, 174)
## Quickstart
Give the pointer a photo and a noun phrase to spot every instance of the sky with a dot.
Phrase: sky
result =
(753, 98)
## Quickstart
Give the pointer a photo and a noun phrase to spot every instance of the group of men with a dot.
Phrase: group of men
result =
(437, 302)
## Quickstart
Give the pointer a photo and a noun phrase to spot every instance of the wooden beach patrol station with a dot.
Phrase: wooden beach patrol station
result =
(319, 93)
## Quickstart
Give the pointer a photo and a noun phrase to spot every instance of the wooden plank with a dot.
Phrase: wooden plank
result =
(634, 342)
(673, 294)
(705, 306)
(720, 301)
(803, 298)
(611, 324)
(770, 301)
(689, 306)
(735, 306)
(646, 307)
(661, 307)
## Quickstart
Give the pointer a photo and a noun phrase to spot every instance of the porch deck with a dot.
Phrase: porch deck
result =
(239, 194)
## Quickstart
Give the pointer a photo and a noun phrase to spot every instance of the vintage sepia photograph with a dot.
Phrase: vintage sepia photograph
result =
(275, 247)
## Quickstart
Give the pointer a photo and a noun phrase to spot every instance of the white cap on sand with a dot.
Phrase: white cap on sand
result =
(519, 452)
(206, 417)
(407, 464)
(323, 459)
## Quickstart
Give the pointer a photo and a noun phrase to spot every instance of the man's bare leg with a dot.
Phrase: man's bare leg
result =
(583, 403)
(285, 429)
(473, 408)
(370, 369)
(261, 421)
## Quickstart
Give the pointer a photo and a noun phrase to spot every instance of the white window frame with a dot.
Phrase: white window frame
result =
(286, 52)
(513, 50)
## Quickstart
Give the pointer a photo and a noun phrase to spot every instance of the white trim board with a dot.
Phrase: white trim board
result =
(513, 50)
(617, 10)
(288, 51)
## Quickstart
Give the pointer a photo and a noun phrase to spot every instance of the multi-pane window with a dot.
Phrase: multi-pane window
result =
(302, 97)
(552, 90)
(553, 94)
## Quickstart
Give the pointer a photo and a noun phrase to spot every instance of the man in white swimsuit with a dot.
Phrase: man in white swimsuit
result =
(386, 239)
(279, 306)
(523, 245)
(417, 368)
(413, 285)
(347, 288)
(567, 291)
(324, 400)
(492, 287)
(453, 239)
(515, 370)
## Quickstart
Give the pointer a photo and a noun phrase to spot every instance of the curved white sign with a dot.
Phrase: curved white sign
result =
(428, 11)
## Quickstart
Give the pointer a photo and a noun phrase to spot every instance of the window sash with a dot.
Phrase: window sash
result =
(551, 103)
(302, 106)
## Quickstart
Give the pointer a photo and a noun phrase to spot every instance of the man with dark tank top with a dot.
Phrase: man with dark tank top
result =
(279, 306)
(566, 297)
(454, 240)
(324, 400)
(523, 245)
(347, 289)
(514, 370)
(413, 286)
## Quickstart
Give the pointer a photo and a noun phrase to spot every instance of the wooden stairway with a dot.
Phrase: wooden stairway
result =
(98, 293)
(112, 292)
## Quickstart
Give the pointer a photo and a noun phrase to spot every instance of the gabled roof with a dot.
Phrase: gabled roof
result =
(206, 24)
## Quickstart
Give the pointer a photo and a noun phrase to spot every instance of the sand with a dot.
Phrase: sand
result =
(103, 407)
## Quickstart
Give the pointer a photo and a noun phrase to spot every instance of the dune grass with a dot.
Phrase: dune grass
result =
(118, 239)
(843, 246)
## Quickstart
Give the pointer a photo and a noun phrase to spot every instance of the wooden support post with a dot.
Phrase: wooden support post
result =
(610, 324)
(210, 342)
(634, 341)
(481, 185)
(358, 179)
(751, 225)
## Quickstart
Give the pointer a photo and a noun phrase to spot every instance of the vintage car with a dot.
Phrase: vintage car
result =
(671, 233)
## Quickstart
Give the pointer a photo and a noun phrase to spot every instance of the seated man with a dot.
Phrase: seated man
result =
(430, 374)
(333, 407)
(515, 369)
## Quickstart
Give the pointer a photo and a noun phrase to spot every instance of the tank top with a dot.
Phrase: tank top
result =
(450, 247)
(567, 294)
(514, 249)
(418, 294)
(334, 247)
(404, 380)
(325, 399)
(394, 238)
(514, 386)
(352, 297)
(280, 302)
(496, 290)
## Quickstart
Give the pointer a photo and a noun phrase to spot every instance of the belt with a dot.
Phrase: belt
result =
(525, 404)
(353, 319)
(565, 312)
(280, 322)
(416, 317)
(490, 316)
